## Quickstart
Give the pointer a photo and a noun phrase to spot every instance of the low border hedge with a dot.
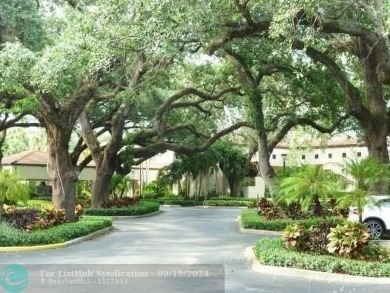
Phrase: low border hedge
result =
(273, 253)
(251, 220)
(143, 208)
(230, 202)
(174, 201)
(58, 234)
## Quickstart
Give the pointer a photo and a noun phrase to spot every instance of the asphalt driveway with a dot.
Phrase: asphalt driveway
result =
(177, 236)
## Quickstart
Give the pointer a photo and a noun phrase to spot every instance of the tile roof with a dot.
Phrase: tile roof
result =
(34, 158)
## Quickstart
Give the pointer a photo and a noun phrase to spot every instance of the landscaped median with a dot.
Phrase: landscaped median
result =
(12, 239)
(178, 201)
(211, 202)
(250, 219)
(230, 202)
(271, 252)
(140, 209)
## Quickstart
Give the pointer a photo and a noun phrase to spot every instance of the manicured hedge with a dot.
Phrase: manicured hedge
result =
(65, 232)
(143, 208)
(272, 252)
(251, 220)
(230, 202)
(174, 201)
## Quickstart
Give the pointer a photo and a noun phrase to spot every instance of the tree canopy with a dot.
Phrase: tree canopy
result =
(152, 76)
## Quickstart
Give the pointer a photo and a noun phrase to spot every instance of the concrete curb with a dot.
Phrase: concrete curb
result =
(255, 231)
(134, 217)
(57, 245)
(257, 267)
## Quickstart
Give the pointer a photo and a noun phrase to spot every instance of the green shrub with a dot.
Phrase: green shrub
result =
(251, 220)
(230, 202)
(313, 240)
(143, 208)
(294, 237)
(174, 200)
(349, 240)
(20, 218)
(32, 219)
(155, 189)
(272, 252)
(267, 209)
(58, 234)
(12, 189)
(121, 202)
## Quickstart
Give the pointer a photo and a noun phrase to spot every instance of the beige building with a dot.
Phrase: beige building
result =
(331, 154)
(32, 166)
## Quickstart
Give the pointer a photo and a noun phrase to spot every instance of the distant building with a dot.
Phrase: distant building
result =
(331, 154)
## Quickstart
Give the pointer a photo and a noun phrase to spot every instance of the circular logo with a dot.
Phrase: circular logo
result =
(14, 278)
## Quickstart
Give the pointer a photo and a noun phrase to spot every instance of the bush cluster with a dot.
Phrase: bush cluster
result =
(121, 202)
(313, 240)
(29, 219)
(294, 210)
(10, 236)
(155, 189)
(251, 220)
(142, 208)
(174, 200)
(230, 202)
(20, 218)
(267, 209)
(349, 240)
(272, 252)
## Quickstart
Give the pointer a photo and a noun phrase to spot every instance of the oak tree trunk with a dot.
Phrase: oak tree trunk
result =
(376, 123)
(63, 174)
(101, 187)
(265, 169)
(233, 185)
(376, 126)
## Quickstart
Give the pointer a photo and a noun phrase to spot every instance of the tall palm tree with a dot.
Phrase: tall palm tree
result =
(308, 187)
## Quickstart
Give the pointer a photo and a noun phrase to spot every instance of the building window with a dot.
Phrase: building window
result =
(329, 156)
(316, 156)
(359, 154)
(303, 157)
(274, 157)
(344, 155)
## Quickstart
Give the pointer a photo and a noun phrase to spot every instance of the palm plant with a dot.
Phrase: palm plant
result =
(233, 164)
(361, 176)
(308, 187)
(119, 185)
(12, 189)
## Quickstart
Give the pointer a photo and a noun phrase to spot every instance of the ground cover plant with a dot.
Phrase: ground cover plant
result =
(10, 236)
(230, 202)
(141, 208)
(273, 252)
(29, 219)
(250, 219)
(175, 200)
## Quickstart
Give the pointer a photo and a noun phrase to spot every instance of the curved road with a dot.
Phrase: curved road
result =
(181, 236)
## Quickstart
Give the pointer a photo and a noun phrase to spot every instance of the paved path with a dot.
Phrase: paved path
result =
(181, 236)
